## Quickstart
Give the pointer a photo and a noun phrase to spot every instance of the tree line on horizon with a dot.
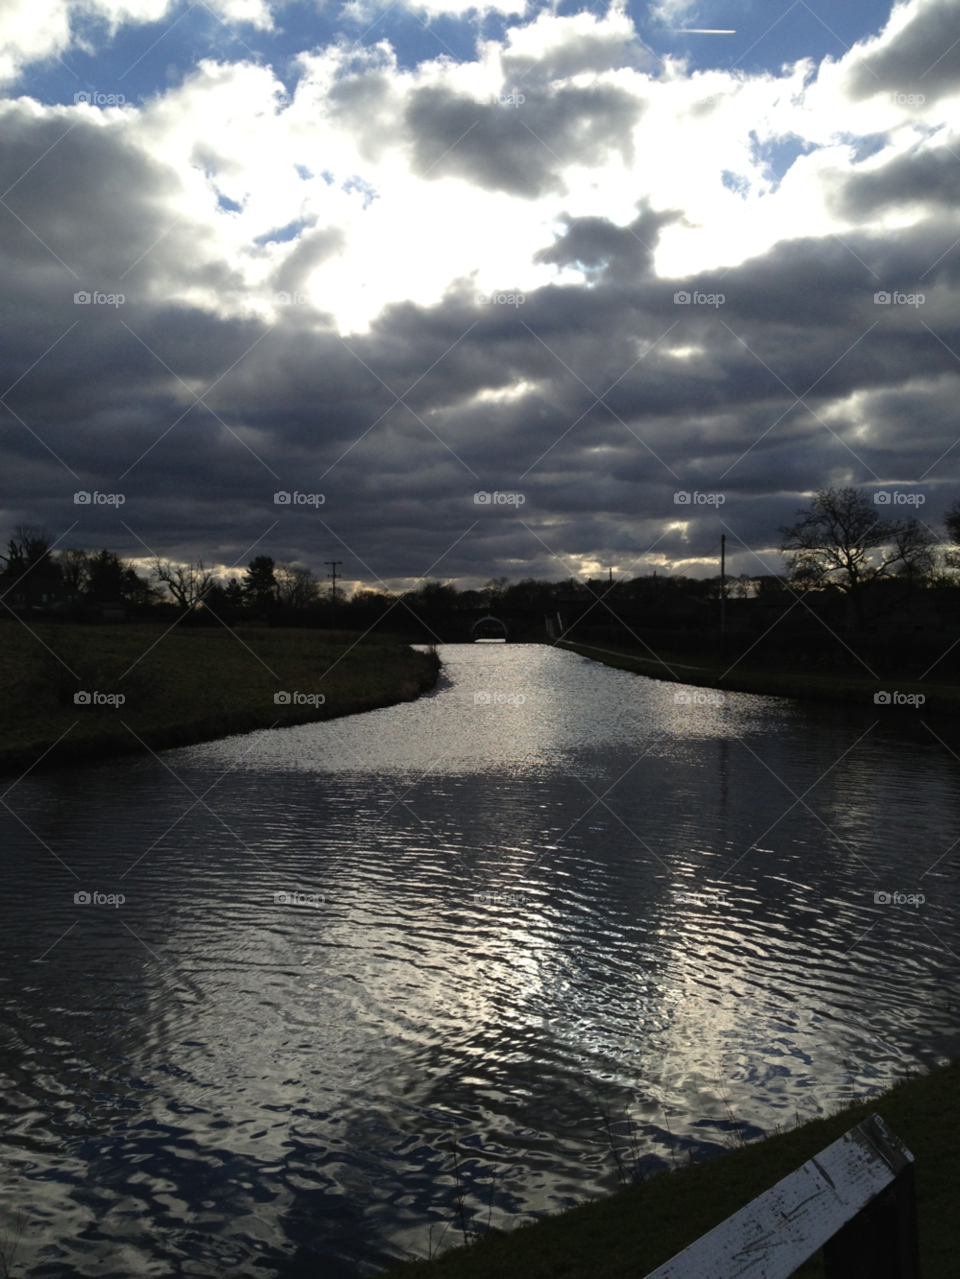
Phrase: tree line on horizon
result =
(843, 543)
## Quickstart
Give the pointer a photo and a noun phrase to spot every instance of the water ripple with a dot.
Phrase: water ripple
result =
(496, 919)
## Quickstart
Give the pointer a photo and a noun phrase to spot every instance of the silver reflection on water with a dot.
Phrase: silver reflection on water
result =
(545, 887)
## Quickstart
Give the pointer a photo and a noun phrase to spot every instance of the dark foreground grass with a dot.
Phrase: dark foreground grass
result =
(184, 686)
(708, 670)
(632, 1232)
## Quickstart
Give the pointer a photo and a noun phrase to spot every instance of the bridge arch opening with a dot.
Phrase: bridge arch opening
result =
(489, 628)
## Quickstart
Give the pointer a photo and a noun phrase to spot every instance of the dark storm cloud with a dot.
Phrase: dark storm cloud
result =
(90, 203)
(694, 396)
(520, 148)
(923, 58)
(929, 177)
(619, 254)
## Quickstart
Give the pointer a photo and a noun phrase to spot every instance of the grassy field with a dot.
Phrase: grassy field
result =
(184, 685)
(628, 1234)
(708, 670)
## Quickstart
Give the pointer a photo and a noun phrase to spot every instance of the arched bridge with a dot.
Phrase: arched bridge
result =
(489, 627)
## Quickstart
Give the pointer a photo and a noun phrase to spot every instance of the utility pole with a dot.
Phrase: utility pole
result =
(723, 587)
(333, 564)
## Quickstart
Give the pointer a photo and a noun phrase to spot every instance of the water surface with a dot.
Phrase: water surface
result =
(564, 896)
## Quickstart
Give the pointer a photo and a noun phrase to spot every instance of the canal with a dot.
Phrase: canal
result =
(545, 893)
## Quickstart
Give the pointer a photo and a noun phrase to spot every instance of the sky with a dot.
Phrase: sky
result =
(388, 259)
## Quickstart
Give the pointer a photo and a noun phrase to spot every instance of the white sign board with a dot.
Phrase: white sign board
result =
(779, 1230)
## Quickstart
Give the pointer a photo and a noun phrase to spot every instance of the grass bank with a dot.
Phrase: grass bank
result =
(183, 686)
(630, 1233)
(708, 670)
